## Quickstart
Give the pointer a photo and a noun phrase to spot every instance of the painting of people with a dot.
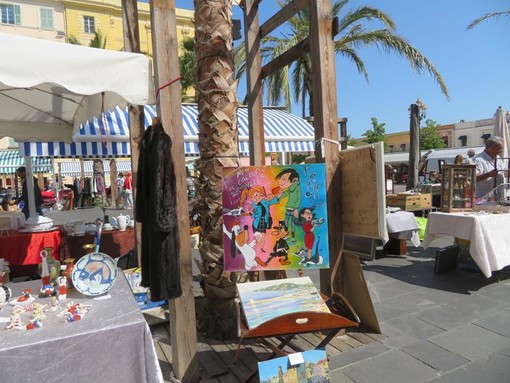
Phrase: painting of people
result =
(275, 217)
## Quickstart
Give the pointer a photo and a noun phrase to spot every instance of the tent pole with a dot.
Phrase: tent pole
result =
(136, 112)
(183, 330)
(30, 188)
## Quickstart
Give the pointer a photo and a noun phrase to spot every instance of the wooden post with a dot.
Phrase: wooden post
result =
(254, 79)
(166, 63)
(326, 121)
(136, 112)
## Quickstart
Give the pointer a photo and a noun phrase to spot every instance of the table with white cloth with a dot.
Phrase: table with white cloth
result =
(111, 343)
(403, 225)
(487, 233)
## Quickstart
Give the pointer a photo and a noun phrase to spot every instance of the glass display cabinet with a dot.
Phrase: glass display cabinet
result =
(458, 188)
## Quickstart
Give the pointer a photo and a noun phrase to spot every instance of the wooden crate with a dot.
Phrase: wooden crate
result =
(409, 201)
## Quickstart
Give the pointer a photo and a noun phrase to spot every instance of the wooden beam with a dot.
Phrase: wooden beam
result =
(287, 57)
(166, 62)
(136, 112)
(283, 15)
(254, 80)
(326, 122)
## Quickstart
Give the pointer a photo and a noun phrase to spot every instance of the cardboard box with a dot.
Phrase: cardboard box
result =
(409, 201)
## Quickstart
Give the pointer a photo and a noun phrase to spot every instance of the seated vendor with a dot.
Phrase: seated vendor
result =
(490, 168)
(433, 178)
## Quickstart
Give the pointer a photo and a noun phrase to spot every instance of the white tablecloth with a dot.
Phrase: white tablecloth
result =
(403, 225)
(112, 343)
(488, 235)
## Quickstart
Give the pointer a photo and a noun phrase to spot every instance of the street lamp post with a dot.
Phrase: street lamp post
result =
(417, 113)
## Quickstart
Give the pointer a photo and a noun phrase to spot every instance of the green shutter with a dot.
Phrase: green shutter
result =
(46, 18)
(17, 15)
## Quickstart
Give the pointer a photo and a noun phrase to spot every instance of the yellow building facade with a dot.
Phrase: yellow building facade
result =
(84, 18)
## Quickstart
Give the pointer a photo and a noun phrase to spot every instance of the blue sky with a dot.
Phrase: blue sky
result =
(475, 65)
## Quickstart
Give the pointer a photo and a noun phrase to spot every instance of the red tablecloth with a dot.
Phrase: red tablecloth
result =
(22, 250)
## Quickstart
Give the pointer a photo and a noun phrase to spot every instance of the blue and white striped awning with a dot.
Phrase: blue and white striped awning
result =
(73, 168)
(109, 136)
(10, 160)
(75, 149)
(283, 132)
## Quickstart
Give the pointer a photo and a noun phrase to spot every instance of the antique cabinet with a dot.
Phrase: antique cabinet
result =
(458, 187)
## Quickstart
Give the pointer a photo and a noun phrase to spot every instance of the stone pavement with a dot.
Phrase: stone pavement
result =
(452, 327)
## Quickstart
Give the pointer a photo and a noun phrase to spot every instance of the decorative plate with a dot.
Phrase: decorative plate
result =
(94, 274)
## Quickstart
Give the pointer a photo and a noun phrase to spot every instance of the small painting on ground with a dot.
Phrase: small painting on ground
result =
(275, 217)
(312, 369)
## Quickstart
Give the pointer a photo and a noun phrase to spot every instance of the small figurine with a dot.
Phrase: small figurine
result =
(15, 319)
(24, 299)
(47, 289)
(37, 317)
(25, 296)
(75, 312)
(53, 306)
(62, 288)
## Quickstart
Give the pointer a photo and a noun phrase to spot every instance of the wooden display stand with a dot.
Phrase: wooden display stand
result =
(286, 327)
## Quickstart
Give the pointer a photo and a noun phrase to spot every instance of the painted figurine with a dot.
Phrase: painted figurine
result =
(75, 312)
(37, 317)
(62, 288)
(15, 319)
(53, 306)
(47, 289)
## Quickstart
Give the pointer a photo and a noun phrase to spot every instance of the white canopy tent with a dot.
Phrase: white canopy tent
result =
(47, 89)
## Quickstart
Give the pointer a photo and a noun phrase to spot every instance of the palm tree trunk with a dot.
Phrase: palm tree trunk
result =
(218, 143)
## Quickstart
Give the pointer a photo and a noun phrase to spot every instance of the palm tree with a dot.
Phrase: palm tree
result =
(188, 67)
(98, 41)
(219, 147)
(488, 16)
(353, 34)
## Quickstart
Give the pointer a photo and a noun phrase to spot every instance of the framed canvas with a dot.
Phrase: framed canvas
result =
(265, 300)
(275, 217)
(311, 366)
(363, 191)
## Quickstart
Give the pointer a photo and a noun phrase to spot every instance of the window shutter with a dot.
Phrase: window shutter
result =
(17, 15)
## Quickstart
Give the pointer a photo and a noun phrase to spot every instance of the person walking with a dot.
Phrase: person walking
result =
(128, 191)
(120, 189)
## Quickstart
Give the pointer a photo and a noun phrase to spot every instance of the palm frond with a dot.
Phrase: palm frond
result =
(488, 16)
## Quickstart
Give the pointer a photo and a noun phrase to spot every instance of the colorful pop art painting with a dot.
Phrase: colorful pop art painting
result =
(275, 217)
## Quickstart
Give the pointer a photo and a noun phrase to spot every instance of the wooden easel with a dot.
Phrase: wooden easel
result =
(286, 327)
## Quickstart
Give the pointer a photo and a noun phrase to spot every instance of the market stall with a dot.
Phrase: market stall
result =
(487, 234)
(111, 343)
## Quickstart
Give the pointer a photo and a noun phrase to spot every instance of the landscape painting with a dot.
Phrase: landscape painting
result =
(275, 217)
(315, 368)
(265, 300)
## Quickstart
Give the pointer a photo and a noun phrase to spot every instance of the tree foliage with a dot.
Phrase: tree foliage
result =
(492, 15)
(356, 31)
(430, 137)
(98, 41)
(188, 67)
(377, 134)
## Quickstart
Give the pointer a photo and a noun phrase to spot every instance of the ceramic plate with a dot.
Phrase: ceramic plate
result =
(94, 274)
(37, 230)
